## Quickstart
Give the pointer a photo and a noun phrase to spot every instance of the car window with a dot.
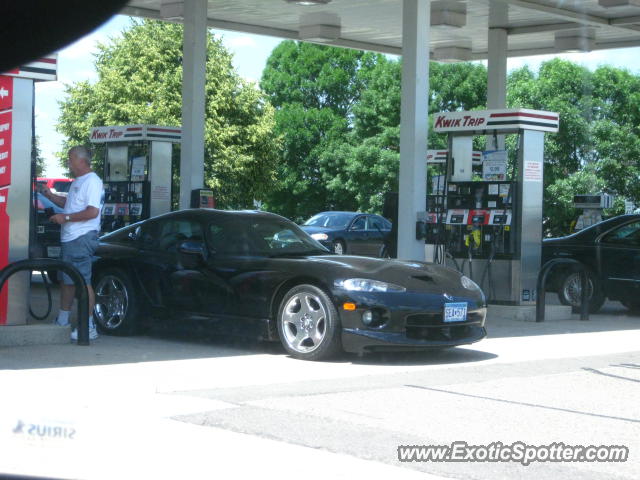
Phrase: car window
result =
(628, 234)
(360, 223)
(377, 223)
(333, 220)
(147, 234)
(175, 231)
(259, 237)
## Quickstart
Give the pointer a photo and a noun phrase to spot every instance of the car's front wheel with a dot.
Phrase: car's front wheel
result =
(339, 247)
(570, 291)
(308, 324)
(115, 311)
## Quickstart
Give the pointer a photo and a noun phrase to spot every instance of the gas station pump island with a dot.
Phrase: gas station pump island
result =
(16, 175)
(491, 229)
(137, 172)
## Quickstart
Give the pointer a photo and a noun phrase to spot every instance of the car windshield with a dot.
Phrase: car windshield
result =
(334, 220)
(261, 237)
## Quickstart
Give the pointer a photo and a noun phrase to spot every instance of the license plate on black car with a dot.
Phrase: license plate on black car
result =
(455, 312)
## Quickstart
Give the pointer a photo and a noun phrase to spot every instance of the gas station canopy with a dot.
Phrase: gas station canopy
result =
(459, 28)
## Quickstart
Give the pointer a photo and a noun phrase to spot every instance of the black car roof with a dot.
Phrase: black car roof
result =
(204, 213)
(341, 212)
(595, 230)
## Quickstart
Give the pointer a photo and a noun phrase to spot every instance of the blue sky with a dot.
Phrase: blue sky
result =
(75, 63)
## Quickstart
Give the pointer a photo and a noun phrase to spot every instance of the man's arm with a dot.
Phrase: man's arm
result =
(86, 214)
(59, 200)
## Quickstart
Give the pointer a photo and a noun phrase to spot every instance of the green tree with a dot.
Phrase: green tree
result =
(616, 130)
(559, 212)
(314, 89)
(40, 163)
(139, 81)
(366, 166)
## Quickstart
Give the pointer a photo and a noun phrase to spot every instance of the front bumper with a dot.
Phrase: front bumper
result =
(359, 341)
(412, 321)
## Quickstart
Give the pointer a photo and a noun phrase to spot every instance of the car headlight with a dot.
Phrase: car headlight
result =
(468, 283)
(366, 285)
(319, 236)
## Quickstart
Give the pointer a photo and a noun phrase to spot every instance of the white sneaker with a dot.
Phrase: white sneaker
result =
(61, 324)
(93, 333)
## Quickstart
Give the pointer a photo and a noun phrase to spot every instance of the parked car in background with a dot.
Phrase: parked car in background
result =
(60, 186)
(258, 274)
(351, 233)
(611, 252)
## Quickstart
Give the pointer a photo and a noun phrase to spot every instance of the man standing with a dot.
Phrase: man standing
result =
(80, 224)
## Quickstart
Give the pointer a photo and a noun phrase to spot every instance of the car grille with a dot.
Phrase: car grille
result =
(435, 319)
(439, 333)
(430, 326)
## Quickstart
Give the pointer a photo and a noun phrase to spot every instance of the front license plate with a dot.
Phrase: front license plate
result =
(455, 312)
(53, 252)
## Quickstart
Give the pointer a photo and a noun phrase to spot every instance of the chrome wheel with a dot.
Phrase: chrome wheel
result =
(304, 322)
(112, 302)
(572, 289)
(338, 248)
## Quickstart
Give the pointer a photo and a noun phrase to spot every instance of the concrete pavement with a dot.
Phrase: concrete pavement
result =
(191, 405)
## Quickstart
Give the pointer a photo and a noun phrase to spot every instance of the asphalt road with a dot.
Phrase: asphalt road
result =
(185, 403)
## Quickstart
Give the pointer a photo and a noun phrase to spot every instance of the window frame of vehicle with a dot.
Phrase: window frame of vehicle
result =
(216, 247)
(358, 238)
(620, 261)
(178, 235)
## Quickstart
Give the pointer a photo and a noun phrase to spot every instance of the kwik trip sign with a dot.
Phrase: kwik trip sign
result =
(496, 120)
(126, 133)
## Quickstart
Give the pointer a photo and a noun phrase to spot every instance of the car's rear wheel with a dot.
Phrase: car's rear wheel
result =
(339, 247)
(308, 324)
(115, 311)
(570, 291)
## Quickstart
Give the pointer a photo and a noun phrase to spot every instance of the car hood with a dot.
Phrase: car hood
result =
(314, 229)
(414, 276)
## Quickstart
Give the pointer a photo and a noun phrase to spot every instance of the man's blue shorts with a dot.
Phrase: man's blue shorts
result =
(79, 253)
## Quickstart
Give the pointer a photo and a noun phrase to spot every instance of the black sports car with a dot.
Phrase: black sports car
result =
(351, 232)
(611, 252)
(259, 274)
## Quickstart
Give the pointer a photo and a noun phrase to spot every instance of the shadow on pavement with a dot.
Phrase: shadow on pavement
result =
(194, 340)
(450, 356)
(611, 317)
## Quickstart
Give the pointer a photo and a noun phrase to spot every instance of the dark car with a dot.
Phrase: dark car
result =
(258, 274)
(611, 252)
(351, 232)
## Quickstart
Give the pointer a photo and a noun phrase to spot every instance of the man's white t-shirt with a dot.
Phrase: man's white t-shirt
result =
(86, 191)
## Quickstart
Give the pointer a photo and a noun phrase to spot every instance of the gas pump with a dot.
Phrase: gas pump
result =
(16, 137)
(137, 172)
(493, 226)
(592, 207)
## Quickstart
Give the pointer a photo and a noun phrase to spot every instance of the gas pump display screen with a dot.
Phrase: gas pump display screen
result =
(457, 218)
(478, 219)
(499, 219)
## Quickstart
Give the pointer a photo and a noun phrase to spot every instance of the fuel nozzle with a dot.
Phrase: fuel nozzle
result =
(474, 239)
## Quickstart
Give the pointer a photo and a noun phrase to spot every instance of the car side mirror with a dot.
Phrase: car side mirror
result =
(135, 235)
(192, 247)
